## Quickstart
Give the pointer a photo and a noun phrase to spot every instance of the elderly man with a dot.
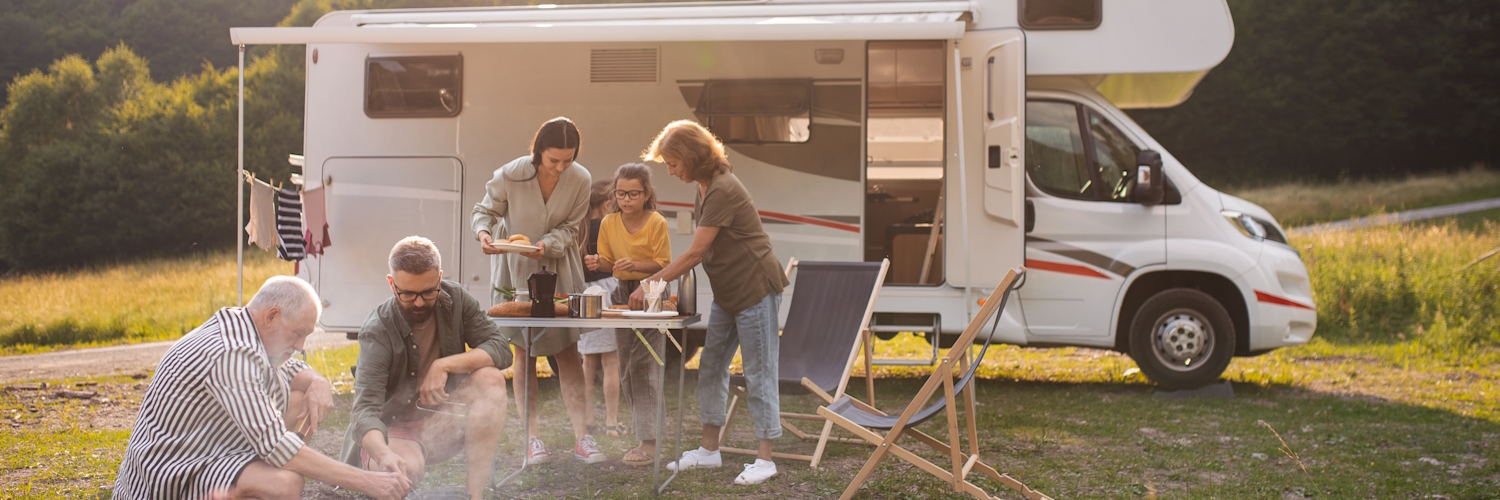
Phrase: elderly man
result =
(419, 397)
(216, 419)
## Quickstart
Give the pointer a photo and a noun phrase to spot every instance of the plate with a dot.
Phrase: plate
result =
(616, 310)
(512, 247)
(644, 314)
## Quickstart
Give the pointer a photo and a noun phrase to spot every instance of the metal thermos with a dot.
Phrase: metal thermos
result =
(687, 293)
(543, 285)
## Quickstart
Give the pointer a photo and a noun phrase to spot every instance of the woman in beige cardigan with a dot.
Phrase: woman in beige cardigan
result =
(545, 196)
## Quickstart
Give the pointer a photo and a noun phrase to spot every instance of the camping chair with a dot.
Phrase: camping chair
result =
(829, 319)
(861, 419)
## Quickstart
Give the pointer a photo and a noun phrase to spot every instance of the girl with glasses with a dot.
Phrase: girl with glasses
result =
(634, 244)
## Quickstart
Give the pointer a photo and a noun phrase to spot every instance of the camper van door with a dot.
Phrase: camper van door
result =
(992, 68)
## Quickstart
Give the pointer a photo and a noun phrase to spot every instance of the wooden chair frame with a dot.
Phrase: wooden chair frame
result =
(962, 464)
(863, 346)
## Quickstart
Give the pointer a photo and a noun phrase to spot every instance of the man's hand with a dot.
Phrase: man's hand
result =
(431, 393)
(591, 262)
(319, 404)
(389, 462)
(385, 485)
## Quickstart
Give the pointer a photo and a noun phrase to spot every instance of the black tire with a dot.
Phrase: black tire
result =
(1182, 338)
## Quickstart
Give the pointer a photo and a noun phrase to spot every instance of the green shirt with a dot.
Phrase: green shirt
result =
(740, 266)
(385, 382)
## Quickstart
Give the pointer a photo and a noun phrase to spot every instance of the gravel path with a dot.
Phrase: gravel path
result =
(125, 359)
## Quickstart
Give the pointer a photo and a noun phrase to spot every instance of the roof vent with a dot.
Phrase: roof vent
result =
(624, 65)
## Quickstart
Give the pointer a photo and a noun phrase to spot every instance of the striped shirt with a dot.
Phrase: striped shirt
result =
(214, 405)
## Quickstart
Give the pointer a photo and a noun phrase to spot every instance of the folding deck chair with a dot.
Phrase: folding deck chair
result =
(862, 419)
(828, 320)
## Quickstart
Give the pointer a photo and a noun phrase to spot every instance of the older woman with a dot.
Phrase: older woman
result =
(747, 282)
(544, 195)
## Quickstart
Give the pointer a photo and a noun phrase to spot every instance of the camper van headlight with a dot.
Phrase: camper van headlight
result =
(1247, 225)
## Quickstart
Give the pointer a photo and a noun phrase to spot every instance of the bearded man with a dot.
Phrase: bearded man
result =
(419, 397)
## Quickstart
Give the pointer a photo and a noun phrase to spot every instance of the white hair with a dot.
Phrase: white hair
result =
(289, 294)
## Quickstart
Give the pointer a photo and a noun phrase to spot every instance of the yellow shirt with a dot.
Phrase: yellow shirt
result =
(651, 243)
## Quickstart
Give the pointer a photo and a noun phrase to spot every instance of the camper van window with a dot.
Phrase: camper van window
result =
(1115, 156)
(1061, 14)
(757, 111)
(1055, 159)
(413, 87)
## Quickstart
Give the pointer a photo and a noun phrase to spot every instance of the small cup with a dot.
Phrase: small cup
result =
(523, 296)
(653, 304)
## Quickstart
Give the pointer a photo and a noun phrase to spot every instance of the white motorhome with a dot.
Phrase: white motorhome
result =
(955, 138)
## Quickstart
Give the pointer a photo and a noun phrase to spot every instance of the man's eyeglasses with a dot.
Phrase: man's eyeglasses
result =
(427, 295)
(629, 195)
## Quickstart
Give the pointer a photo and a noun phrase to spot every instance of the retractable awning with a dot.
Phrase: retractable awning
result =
(602, 23)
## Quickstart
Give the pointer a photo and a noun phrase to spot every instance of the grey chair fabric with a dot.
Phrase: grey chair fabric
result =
(845, 408)
(822, 325)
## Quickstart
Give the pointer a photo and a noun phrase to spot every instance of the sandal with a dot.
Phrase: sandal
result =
(638, 458)
(616, 430)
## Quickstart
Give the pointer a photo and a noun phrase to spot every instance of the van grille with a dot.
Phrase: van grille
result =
(633, 65)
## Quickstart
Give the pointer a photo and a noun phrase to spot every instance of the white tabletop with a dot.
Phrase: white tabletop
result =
(655, 323)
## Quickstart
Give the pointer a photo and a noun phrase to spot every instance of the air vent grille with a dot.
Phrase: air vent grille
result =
(624, 65)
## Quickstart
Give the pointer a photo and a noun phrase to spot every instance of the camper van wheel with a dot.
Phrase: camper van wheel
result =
(1182, 338)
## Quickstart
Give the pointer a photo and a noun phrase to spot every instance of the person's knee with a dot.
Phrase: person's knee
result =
(285, 484)
(414, 467)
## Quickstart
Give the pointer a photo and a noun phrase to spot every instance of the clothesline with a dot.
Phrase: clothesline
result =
(284, 218)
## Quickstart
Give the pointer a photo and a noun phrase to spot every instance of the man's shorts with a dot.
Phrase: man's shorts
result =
(412, 430)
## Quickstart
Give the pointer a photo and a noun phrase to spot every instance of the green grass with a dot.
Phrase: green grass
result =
(1297, 204)
(1074, 423)
(1394, 283)
(144, 301)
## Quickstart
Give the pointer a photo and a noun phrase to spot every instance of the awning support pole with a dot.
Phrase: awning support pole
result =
(239, 183)
(963, 176)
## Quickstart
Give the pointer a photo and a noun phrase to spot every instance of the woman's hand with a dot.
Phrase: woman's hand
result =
(624, 265)
(484, 244)
(638, 299)
(541, 250)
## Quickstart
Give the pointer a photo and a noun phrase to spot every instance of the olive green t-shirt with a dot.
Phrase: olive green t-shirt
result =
(741, 268)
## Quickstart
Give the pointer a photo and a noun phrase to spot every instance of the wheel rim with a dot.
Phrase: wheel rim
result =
(1182, 340)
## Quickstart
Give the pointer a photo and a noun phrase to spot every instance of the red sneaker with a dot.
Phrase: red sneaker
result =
(588, 451)
(536, 453)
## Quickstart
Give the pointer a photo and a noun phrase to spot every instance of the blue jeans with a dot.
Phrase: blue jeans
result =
(755, 332)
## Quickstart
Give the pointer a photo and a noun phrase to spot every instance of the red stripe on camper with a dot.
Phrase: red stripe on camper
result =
(1272, 299)
(811, 221)
(1058, 267)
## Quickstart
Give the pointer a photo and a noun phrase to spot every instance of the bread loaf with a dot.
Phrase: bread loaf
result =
(523, 309)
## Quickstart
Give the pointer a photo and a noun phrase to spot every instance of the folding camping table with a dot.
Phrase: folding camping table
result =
(536, 328)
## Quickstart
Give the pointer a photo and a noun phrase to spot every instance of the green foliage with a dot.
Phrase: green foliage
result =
(103, 162)
(177, 36)
(1328, 89)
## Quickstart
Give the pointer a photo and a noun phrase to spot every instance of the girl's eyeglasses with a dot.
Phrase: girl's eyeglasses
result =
(629, 195)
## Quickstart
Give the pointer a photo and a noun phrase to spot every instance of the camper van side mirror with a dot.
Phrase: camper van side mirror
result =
(1148, 181)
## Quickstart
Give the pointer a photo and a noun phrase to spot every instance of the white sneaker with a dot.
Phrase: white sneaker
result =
(698, 459)
(756, 473)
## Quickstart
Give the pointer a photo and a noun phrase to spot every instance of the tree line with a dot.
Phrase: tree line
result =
(119, 157)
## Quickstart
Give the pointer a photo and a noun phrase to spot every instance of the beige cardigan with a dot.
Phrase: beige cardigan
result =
(511, 207)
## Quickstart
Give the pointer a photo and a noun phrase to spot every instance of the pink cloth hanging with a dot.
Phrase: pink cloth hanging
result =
(315, 210)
